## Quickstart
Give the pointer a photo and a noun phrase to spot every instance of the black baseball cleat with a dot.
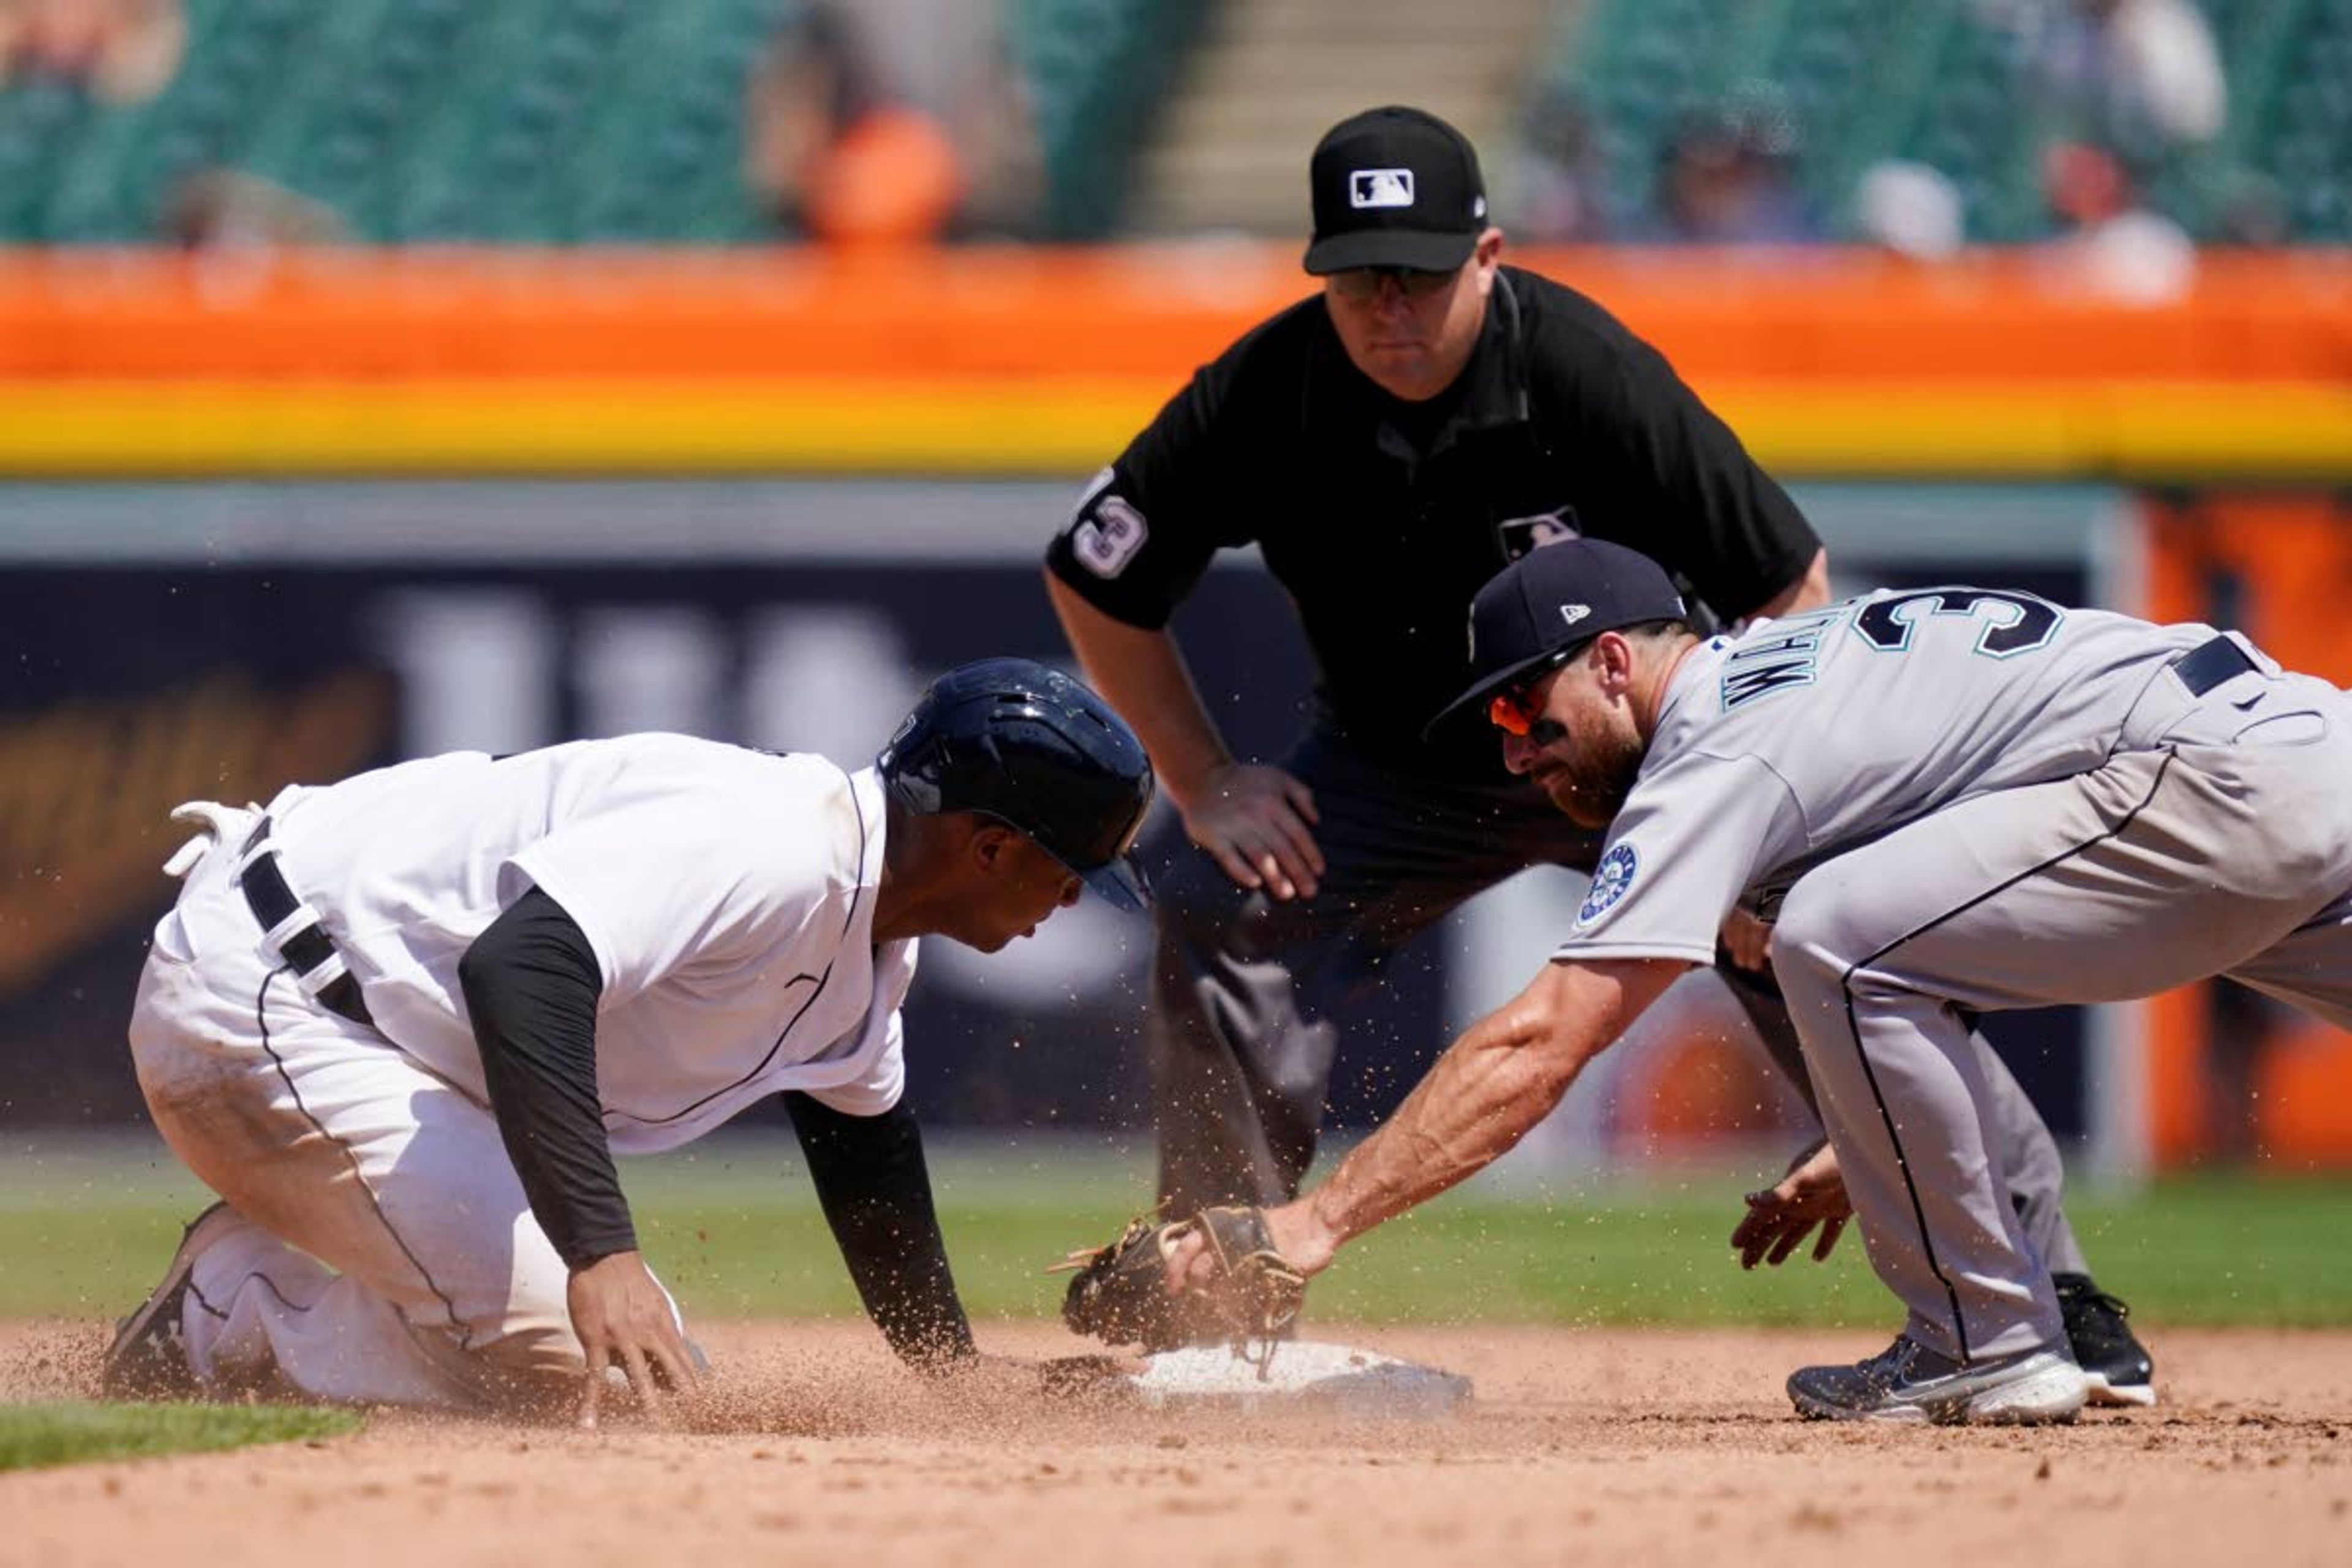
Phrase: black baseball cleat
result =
(149, 1357)
(2117, 1365)
(1908, 1382)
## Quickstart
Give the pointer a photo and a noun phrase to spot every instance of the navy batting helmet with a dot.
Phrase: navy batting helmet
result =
(1027, 745)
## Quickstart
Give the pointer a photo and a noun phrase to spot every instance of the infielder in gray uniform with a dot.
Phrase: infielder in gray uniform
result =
(1946, 801)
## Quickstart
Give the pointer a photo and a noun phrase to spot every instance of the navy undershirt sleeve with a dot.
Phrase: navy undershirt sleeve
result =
(875, 1191)
(531, 985)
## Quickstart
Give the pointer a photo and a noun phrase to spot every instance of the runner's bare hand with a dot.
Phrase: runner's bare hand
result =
(624, 1318)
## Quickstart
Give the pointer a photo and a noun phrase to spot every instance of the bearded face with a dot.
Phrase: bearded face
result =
(1588, 774)
(1584, 751)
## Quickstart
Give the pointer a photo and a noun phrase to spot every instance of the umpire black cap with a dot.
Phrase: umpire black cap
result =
(1394, 187)
(1014, 740)
(1550, 602)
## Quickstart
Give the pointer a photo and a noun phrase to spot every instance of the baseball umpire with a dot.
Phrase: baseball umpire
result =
(1948, 801)
(401, 1024)
(1388, 445)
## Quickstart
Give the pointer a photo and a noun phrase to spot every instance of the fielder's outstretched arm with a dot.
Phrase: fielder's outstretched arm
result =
(1492, 1085)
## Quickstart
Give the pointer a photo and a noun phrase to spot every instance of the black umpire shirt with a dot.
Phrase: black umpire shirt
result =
(1382, 518)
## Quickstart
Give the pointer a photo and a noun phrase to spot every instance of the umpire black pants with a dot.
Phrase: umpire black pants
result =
(1246, 989)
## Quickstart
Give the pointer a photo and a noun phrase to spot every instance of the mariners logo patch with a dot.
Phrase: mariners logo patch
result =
(1609, 879)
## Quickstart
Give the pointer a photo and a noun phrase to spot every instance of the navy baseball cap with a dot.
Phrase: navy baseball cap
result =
(1394, 187)
(1552, 600)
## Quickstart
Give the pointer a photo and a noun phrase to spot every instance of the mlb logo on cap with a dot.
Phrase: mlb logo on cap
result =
(1381, 188)
(1394, 187)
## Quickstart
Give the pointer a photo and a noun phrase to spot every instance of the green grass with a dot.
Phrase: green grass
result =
(2208, 1251)
(732, 1227)
(35, 1434)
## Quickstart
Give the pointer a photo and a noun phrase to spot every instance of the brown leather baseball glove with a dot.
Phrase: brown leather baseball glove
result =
(1119, 1294)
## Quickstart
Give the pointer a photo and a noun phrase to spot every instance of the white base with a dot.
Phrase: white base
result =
(2127, 1395)
(1300, 1374)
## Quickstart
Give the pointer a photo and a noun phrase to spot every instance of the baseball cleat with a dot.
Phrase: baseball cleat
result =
(2115, 1365)
(149, 1357)
(1907, 1382)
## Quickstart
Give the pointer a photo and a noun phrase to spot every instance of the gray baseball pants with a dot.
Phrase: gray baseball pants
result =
(2217, 840)
(1247, 990)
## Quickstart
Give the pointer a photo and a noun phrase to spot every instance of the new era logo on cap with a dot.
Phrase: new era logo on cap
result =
(1379, 188)
(1592, 585)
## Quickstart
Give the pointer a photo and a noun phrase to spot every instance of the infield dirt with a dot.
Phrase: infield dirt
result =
(1666, 1447)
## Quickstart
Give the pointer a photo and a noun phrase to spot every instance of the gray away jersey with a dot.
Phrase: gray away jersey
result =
(1808, 735)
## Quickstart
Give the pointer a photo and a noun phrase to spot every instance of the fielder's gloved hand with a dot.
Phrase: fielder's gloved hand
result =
(1119, 1294)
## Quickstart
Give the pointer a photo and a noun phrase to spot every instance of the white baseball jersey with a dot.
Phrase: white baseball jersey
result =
(728, 895)
(1806, 736)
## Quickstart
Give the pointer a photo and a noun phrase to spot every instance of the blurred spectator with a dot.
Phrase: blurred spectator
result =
(120, 51)
(953, 60)
(2141, 79)
(815, 82)
(1558, 179)
(1727, 176)
(2112, 242)
(227, 209)
(892, 120)
(1909, 208)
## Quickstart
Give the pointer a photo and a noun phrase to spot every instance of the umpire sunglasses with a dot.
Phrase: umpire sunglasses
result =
(1361, 283)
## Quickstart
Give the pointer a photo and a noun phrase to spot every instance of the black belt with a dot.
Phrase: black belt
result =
(2210, 664)
(271, 900)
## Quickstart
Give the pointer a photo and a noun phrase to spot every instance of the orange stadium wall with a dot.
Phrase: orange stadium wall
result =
(1832, 363)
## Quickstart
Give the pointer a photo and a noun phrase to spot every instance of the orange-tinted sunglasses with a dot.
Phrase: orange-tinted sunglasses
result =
(1513, 709)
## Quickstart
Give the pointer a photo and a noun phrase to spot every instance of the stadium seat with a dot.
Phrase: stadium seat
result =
(1939, 81)
(574, 121)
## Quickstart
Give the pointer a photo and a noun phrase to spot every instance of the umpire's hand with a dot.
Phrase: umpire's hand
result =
(625, 1318)
(1257, 821)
